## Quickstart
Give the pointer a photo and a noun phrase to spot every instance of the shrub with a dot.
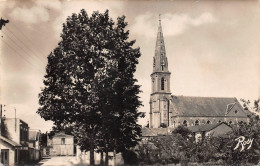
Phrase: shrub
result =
(130, 157)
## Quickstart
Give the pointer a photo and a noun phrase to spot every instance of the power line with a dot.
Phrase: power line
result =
(19, 30)
(26, 46)
(23, 57)
(21, 47)
(13, 40)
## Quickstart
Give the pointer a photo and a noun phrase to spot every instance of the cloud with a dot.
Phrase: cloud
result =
(115, 10)
(146, 24)
(6, 5)
(36, 13)
(54, 4)
(204, 18)
(31, 16)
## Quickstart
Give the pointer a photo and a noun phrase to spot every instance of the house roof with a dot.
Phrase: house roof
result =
(151, 132)
(62, 134)
(9, 141)
(206, 127)
(33, 134)
(203, 106)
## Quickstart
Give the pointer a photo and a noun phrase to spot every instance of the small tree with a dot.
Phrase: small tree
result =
(183, 131)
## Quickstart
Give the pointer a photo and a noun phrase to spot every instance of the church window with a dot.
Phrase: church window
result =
(162, 84)
(153, 62)
(162, 67)
(219, 121)
(154, 103)
(230, 122)
(185, 122)
(197, 122)
(208, 122)
(235, 111)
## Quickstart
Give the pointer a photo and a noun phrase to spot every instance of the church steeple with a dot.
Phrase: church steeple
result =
(160, 62)
(160, 92)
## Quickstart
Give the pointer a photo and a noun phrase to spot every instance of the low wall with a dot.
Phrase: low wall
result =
(84, 158)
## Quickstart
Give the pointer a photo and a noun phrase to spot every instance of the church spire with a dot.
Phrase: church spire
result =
(159, 41)
(160, 59)
(160, 79)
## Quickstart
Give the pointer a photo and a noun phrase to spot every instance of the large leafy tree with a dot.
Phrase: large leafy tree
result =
(90, 83)
(120, 98)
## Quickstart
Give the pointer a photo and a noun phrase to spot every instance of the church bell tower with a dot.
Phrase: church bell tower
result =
(160, 91)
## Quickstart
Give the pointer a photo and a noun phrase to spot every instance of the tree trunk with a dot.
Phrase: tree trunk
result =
(102, 158)
(114, 156)
(106, 160)
(92, 160)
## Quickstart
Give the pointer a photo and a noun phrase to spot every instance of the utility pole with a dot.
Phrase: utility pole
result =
(0, 130)
(15, 118)
(114, 152)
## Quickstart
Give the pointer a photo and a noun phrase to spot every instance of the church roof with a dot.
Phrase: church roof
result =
(202, 106)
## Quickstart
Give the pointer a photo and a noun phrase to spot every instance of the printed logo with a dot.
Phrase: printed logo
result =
(242, 142)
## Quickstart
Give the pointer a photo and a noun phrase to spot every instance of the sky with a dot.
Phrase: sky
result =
(212, 47)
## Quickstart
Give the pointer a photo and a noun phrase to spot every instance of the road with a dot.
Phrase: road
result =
(59, 161)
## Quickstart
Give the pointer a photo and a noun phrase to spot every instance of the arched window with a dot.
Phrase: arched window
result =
(162, 84)
(208, 122)
(197, 122)
(185, 122)
(162, 67)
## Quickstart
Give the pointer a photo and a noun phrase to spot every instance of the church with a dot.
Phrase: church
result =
(167, 110)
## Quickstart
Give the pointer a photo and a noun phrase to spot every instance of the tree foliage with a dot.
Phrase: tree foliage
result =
(4, 129)
(248, 105)
(90, 83)
(181, 147)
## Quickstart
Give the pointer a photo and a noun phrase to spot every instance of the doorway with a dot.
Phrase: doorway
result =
(5, 156)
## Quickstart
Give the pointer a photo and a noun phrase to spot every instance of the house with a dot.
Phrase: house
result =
(210, 130)
(148, 133)
(9, 151)
(34, 144)
(62, 144)
(171, 110)
(15, 144)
